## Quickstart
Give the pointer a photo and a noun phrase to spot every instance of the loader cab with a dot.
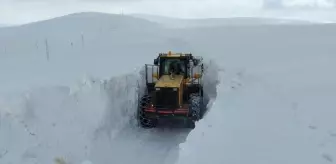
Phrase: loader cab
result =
(177, 65)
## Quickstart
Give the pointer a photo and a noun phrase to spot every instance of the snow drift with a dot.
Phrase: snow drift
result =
(61, 122)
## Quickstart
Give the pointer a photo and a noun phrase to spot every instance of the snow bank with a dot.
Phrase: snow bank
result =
(91, 122)
(61, 122)
(272, 116)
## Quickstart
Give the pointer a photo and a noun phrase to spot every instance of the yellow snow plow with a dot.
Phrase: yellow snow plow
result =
(174, 91)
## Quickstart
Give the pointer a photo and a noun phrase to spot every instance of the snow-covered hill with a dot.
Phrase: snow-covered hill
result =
(213, 22)
(274, 102)
(80, 42)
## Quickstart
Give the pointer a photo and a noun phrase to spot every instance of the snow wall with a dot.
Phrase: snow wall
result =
(94, 121)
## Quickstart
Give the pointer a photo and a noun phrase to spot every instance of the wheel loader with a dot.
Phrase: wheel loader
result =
(174, 91)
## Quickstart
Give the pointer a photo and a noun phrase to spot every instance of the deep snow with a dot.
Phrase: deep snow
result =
(274, 101)
(92, 122)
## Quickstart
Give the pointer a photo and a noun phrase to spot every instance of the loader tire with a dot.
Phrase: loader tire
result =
(144, 121)
(195, 106)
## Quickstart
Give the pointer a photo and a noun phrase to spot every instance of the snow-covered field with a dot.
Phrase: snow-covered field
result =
(68, 91)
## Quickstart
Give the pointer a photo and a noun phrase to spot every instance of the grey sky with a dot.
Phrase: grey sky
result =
(23, 11)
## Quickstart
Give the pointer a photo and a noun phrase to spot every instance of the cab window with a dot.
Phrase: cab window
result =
(169, 63)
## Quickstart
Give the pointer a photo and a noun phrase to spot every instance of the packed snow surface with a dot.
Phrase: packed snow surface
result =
(69, 88)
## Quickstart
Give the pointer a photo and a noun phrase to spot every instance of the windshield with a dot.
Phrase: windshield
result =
(173, 65)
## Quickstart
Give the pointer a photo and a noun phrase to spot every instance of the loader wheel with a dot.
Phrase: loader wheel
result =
(195, 106)
(144, 121)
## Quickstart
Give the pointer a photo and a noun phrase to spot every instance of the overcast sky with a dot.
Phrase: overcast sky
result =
(23, 11)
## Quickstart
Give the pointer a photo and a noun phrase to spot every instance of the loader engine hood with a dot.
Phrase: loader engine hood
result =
(167, 82)
(168, 93)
